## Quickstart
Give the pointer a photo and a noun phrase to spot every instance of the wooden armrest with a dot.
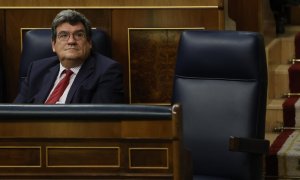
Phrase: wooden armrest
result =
(257, 146)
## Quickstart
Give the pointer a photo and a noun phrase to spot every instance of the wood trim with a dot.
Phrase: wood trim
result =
(108, 4)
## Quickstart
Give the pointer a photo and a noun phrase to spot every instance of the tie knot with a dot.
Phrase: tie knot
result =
(68, 72)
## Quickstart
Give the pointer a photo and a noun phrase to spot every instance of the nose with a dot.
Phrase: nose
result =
(71, 39)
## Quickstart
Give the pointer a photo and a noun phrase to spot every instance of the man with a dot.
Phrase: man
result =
(93, 78)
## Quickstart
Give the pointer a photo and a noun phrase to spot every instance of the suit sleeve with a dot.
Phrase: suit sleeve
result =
(23, 94)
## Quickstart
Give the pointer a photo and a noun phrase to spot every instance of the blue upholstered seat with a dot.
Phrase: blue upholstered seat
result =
(221, 83)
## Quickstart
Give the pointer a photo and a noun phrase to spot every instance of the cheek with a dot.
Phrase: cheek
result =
(87, 47)
(58, 47)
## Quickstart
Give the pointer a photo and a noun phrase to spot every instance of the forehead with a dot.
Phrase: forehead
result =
(70, 28)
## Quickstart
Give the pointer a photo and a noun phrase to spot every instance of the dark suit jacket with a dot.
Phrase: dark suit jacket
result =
(99, 80)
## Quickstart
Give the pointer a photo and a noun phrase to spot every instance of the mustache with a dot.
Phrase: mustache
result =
(71, 47)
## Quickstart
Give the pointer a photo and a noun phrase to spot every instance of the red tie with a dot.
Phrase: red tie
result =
(60, 88)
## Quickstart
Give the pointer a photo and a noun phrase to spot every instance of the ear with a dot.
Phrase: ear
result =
(53, 46)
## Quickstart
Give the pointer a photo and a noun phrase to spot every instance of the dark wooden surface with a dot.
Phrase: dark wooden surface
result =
(89, 147)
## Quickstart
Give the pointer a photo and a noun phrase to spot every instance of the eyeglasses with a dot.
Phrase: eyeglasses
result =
(77, 36)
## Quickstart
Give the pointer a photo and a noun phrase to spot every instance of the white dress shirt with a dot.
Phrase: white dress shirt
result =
(60, 76)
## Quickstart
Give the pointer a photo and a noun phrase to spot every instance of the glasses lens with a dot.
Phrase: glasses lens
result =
(64, 36)
(79, 35)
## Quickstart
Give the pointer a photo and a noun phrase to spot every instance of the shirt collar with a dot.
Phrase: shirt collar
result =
(74, 69)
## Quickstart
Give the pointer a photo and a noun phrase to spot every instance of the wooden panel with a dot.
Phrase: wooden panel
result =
(61, 129)
(82, 148)
(123, 20)
(18, 156)
(294, 15)
(2, 37)
(92, 129)
(88, 157)
(145, 128)
(242, 12)
(102, 158)
(2, 47)
(106, 3)
(254, 16)
(148, 158)
(152, 63)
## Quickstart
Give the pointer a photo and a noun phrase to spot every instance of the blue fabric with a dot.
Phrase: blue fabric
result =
(221, 83)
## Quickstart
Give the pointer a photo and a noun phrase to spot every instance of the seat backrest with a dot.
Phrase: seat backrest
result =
(36, 44)
(221, 83)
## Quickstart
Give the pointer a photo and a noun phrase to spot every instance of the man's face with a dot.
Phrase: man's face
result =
(71, 45)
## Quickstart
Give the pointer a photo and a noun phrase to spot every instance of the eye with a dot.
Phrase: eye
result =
(63, 35)
(80, 35)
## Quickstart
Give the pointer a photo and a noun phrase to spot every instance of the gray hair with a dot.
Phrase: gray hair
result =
(73, 17)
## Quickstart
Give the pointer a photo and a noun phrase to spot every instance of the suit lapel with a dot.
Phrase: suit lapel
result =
(47, 84)
(86, 69)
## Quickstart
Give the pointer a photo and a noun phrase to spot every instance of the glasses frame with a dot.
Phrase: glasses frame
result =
(65, 35)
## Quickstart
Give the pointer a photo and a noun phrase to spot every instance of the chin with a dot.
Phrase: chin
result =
(72, 56)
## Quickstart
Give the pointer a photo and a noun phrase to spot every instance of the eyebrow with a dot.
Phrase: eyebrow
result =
(81, 30)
